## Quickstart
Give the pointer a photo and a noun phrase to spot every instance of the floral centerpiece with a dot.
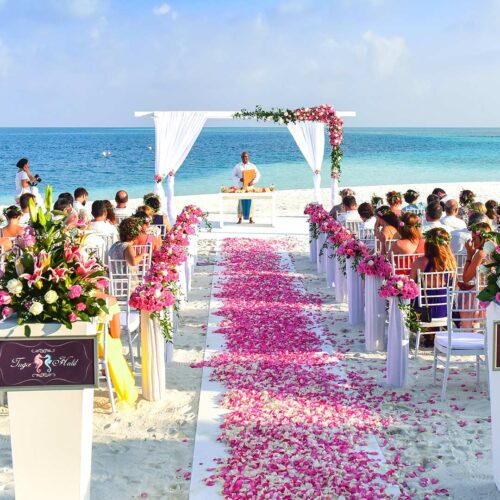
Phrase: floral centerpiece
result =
(354, 249)
(48, 277)
(323, 113)
(317, 215)
(248, 189)
(491, 292)
(375, 265)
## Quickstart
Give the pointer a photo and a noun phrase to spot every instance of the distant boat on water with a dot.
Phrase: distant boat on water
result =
(106, 153)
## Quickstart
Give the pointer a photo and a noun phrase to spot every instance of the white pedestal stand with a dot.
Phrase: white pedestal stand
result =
(51, 431)
(330, 267)
(374, 315)
(355, 295)
(313, 249)
(340, 284)
(153, 359)
(321, 267)
(398, 346)
(492, 316)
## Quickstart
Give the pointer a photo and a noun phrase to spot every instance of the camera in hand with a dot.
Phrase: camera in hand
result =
(37, 180)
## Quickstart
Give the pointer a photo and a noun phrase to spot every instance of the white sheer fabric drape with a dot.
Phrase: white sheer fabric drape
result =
(176, 132)
(310, 138)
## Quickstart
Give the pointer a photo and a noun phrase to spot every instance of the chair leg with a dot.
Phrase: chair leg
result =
(445, 377)
(417, 344)
(110, 386)
(434, 367)
(477, 371)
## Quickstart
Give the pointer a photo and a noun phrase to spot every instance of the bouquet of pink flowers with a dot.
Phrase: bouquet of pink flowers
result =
(352, 248)
(317, 215)
(375, 265)
(399, 285)
(330, 225)
(340, 236)
(48, 277)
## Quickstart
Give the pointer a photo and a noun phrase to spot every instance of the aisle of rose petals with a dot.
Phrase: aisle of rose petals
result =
(296, 429)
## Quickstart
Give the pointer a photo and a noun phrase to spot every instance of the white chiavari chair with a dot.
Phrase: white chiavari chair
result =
(434, 288)
(388, 245)
(418, 211)
(353, 226)
(458, 339)
(367, 236)
(460, 258)
(104, 363)
(120, 287)
(145, 264)
(402, 263)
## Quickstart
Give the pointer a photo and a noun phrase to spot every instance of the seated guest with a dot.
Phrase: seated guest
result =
(337, 209)
(13, 228)
(81, 197)
(129, 230)
(450, 220)
(377, 201)
(24, 201)
(153, 201)
(433, 214)
(386, 227)
(440, 193)
(367, 214)
(110, 213)
(411, 240)
(121, 199)
(465, 198)
(145, 236)
(411, 197)
(100, 223)
(460, 236)
(477, 206)
(394, 200)
(63, 204)
(475, 257)
(491, 212)
(349, 210)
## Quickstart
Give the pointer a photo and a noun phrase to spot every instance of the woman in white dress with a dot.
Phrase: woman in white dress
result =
(25, 180)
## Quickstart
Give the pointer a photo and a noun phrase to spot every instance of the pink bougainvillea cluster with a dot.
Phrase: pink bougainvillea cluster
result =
(375, 265)
(399, 285)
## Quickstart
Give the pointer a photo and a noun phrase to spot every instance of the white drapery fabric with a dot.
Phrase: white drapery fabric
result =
(335, 191)
(374, 314)
(175, 134)
(398, 345)
(310, 138)
(355, 295)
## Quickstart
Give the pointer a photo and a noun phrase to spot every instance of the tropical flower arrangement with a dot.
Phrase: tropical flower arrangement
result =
(354, 249)
(375, 265)
(160, 288)
(317, 215)
(491, 292)
(400, 286)
(340, 236)
(249, 189)
(324, 113)
(48, 277)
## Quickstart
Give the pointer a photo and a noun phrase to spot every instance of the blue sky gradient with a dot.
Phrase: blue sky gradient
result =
(395, 62)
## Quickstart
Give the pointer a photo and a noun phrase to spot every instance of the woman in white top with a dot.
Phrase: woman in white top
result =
(23, 178)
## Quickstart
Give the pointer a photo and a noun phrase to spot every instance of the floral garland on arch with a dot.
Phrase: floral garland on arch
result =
(324, 113)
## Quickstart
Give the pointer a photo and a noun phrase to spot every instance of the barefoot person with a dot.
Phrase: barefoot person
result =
(245, 207)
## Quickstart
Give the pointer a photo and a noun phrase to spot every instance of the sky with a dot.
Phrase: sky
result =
(394, 62)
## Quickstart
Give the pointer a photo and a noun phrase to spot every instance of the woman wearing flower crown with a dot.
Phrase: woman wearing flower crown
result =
(394, 200)
(386, 227)
(412, 241)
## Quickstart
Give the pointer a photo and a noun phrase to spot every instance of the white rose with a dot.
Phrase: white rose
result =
(489, 247)
(15, 287)
(157, 294)
(36, 308)
(370, 262)
(51, 297)
(400, 284)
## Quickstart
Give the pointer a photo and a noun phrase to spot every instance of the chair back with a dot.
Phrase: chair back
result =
(402, 263)
(460, 258)
(435, 287)
(389, 243)
(120, 287)
(367, 236)
(463, 306)
(119, 218)
(419, 211)
(96, 251)
(145, 264)
(481, 280)
(352, 226)
(118, 267)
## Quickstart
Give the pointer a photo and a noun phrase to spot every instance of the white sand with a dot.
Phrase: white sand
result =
(149, 451)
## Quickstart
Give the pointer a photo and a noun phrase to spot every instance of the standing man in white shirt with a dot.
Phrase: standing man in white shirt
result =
(245, 207)
(81, 197)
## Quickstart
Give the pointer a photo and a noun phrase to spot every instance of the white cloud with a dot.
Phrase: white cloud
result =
(162, 10)
(79, 8)
(388, 53)
(5, 60)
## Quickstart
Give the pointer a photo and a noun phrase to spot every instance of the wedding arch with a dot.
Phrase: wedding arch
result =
(177, 131)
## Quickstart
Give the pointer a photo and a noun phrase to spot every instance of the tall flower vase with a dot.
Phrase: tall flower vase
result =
(313, 248)
(340, 284)
(355, 295)
(492, 324)
(153, 359)
(50, 430)
(169, 344)
(374, 315)
(397, 345)
(330, 266)
(320, 263)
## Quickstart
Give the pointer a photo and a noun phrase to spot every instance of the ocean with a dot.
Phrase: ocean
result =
(71, 157)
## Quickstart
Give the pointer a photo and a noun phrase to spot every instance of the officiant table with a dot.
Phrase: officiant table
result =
(268, 195)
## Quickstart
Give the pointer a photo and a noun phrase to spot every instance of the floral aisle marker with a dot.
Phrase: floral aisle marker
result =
(294, 428)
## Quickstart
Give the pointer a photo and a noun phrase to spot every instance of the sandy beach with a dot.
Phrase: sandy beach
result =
(147, 452)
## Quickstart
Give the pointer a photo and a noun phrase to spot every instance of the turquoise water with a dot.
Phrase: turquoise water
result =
(70, 157)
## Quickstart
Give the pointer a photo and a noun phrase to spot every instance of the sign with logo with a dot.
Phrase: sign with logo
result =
(44, 363)
(496, 345)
